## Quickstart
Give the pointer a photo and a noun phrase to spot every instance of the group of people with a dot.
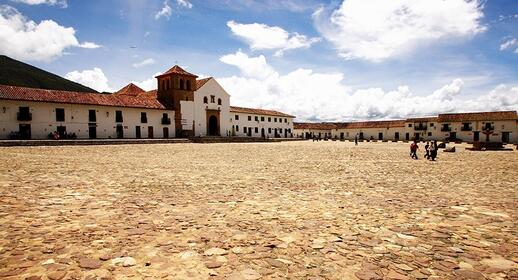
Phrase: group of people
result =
(57, 136)
(430, 149)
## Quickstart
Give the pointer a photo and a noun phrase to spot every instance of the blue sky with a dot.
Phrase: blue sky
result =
(319, 60)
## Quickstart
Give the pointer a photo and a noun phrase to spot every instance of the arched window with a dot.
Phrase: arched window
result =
(219, 101)
(188, 85)
(181, 84)
(205, 100)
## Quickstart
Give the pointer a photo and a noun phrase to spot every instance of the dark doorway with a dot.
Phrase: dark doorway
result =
(285, 133)
(505, 137)
(92, 132)
(166, 132)
(250, 131)
(380, 136)
(150, 132)
(62, 131)
(213, 126)
(361, 135)
(138, 134)
(341, 136)
(453, 136)
(407, 136)
(417, 136)
(25, 131)
(262, 133)
(476, 136)
(396, 136)
(120, 131)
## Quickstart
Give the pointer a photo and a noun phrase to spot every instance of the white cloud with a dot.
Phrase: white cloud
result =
(378, 29)
(264, 37)
(62, 3)
(184, 3)
(310, 95)
(143, 63)
(149, 84)
(94, 78)
(166, 11)
(25, 39)
(511, 43)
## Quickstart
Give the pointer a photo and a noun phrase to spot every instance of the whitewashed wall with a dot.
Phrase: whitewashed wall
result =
(76, 120)
(282, 124)
(211, 87)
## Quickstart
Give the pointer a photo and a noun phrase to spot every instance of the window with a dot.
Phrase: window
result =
(181, 84)
(269, 119)
(165, 119)
(429, 134)
(236, 117)
(212, 99)
(431, 124)
(205, 100)
(219, 101)
(256, 130)
(24, 114)
(60, 114)
(143, 117)
(256, 118)
(262, 119)
(409, 125)
(237, 127)
(244, 129)
(269, 130)
(274, 119)
(188, 84)
(118, 116)
(91, 116)
(249, 118)
(280, 130)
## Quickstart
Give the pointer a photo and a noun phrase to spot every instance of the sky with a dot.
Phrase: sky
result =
(318, 60)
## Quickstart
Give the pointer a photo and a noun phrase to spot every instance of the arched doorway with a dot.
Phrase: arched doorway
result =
(213, 126)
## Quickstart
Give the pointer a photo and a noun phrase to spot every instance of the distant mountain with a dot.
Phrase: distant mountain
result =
(17, 73)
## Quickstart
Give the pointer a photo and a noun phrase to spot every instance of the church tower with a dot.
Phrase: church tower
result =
(176, 85)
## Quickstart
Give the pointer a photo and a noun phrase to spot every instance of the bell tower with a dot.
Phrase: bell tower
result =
(176, 85)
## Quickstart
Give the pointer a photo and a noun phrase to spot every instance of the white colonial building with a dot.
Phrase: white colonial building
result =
(181, 106)
(468, 127)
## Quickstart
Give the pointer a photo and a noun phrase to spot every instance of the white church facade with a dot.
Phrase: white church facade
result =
(181, 106)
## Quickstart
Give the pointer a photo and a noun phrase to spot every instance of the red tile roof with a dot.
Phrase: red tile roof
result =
(478, 116)
(130, 89)
(244, 110)
(315, 126)
(423, 119)
(202, 82)
(176, 70)
(84, 98)
(350, 125)
(375, 124)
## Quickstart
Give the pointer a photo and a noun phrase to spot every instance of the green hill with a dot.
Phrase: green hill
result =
(17, 73)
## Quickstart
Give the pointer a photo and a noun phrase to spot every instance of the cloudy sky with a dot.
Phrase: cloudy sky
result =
(319, 60)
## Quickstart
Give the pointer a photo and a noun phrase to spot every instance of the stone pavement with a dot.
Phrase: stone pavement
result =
(297, 210)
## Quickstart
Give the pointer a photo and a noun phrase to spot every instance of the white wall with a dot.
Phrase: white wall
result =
(211, 87)
(76, 120)
(282, 124)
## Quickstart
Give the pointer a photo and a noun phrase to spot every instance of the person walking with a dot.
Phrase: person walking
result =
(433, 150)
(356, 140)
(413, 149)
(427, 154)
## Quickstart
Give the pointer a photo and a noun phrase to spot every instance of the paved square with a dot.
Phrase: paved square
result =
(298, 210)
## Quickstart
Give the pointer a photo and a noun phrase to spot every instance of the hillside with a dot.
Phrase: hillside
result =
(17, 73)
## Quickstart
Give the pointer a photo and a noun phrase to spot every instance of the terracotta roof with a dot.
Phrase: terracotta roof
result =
(84, 98)
(316, 126)
(258, 112)
(130, 89)
(176, 70)
(423, 119)
(478, 116)
(201, 82)
(375, 124)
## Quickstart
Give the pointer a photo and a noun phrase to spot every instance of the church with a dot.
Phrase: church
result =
(181, 106)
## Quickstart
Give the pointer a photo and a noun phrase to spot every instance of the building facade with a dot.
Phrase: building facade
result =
(467, 127)
(181, 106)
